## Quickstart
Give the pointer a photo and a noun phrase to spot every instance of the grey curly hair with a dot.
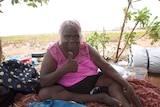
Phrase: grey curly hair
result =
(73, 24)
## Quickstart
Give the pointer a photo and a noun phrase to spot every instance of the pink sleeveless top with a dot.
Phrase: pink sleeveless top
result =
(85, 65)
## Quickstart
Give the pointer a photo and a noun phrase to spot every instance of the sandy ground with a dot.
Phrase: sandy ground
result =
(23, 48)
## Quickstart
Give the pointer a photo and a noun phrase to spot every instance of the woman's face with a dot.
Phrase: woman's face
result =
(70, 39)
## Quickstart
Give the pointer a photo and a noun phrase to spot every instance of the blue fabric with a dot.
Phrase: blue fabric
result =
(54, 103)
(19, 76)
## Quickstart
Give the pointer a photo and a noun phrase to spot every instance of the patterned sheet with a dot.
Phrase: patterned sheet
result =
(148, 93)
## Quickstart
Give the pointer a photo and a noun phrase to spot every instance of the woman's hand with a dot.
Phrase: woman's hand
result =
(71, 65)
(130, 93)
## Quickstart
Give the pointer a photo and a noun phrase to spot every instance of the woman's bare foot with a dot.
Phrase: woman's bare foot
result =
(109, 101)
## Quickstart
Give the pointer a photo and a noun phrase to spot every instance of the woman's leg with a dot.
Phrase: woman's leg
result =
(114, 89)
(57, 92)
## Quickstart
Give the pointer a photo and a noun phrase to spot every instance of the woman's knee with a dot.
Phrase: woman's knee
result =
(43, 94)
(104, 80)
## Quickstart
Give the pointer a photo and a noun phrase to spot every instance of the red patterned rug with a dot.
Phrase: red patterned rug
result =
(148, 93)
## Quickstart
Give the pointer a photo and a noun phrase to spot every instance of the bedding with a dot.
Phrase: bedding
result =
(148, 93)
(148, 58)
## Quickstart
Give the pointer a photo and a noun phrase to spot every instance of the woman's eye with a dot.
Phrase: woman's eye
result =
(67, 36)
(73, 36)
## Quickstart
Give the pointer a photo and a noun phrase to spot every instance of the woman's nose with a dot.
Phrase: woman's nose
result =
(72, 38)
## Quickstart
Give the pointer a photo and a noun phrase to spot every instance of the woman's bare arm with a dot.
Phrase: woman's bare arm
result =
(48, 76)
(106, 67)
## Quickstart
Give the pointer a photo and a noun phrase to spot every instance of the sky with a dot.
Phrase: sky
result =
(93, 15)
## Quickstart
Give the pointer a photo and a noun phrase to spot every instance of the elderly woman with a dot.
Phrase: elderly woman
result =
(69, 72)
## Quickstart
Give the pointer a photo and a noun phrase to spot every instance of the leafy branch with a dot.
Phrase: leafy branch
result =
(142, 18)
(99, 38)
(32, 3)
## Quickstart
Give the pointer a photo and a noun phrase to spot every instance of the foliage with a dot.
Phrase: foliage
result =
(153, 30)
(142, 18)
(99, 38)
(32, 3)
